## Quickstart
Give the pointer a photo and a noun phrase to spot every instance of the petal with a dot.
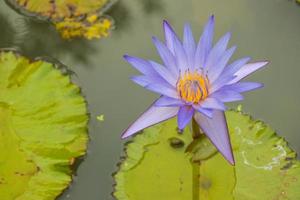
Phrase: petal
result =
(221, 81)
(244, 86)
(152, 116)
(216, 130)
(163, 90)
(212, 103)
(140, 64)
(150, 79)
(185, 115)
(180, 56)
(247, 70)
(204, 111)
(226, 95)
(234, 67)
(216, 70)
(166, 56)
(217, 51)
(168, 101)
(205, 43)
(170, 36)
(140, 80)
(164, 73)
(189, 45)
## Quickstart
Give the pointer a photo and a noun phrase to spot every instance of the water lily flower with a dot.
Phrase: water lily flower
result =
(194, 81)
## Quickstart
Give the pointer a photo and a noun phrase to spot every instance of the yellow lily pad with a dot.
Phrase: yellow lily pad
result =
(43, 128)
(71, 18)
(154, 168)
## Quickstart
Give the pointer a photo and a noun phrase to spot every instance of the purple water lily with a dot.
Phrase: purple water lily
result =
(194, 81)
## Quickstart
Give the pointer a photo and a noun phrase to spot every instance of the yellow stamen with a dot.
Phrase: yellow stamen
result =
(193, 87)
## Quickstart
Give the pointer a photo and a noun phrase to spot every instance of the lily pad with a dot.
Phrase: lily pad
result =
(266, 168)
(72, 18)
(43, 128)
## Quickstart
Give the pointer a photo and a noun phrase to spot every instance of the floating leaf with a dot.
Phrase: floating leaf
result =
(266, 168)
(72, 18)
(43, 128)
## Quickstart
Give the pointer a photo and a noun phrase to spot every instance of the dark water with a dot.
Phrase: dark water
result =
(266, 29)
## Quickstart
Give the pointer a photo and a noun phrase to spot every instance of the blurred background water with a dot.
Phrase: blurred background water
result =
(266, 29)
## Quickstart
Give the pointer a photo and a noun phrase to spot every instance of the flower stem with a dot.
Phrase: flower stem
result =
(196, 130)
(196, 180)
(196, 165)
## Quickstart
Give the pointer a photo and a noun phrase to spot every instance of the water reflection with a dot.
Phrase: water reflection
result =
(121, 15)
(41, 39)
(152, 6)
(120, 12)
(7, 33)
(38, 38)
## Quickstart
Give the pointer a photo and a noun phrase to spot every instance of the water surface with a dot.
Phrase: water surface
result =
(266, 29)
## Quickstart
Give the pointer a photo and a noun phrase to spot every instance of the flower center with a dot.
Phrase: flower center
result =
(192, 87)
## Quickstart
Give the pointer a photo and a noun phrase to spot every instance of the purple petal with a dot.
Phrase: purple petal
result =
(185, 115)
(189, 45)
(140, 80)
(244, 86)
(234, 67)
(180, 56)
(217, 69)
(220, 82)
(170, 36)
(152, 116)
(212, 103)
(163, 90)
(204, 111)
(140, 64)
(247, 70)
(164, 73)
(150, 79)
(205, 43)
(217, 51)
(216, 130)
(166, 56)
(168, 101)
(226, 95)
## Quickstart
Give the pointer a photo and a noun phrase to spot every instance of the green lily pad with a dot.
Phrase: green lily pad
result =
(43, 128)
(266, 168)
(71, 18)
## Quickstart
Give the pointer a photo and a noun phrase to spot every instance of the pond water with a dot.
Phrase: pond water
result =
(266, 29)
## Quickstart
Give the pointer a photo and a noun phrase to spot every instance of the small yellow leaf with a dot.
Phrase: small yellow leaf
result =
(100, 118)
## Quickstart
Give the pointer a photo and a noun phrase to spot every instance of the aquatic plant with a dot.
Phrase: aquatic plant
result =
(43, 129)
(194, 83)
(162, 163)
(71, 18)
